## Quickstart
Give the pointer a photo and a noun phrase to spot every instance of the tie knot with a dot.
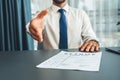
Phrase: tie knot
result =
(61, 11)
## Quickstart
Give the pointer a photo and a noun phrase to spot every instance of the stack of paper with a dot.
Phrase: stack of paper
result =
(74, 61)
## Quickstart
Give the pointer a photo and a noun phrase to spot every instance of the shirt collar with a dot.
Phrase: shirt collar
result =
(56, 8)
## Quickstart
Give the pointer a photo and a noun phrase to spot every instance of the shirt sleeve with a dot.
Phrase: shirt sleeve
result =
(87, 31)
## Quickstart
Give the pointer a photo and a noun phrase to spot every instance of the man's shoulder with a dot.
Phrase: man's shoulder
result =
(76, 10)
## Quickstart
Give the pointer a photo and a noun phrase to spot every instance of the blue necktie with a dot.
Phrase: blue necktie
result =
(63, 43)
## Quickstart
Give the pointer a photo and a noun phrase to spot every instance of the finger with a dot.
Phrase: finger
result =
(35, 32)
(37, 35)
(43, 13)
(93, 48)
(82, 48)
(32, 31)
(32, 28)
(97, 48)
(88, 47)
(36, 38)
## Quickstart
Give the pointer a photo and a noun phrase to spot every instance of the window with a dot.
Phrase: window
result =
(104, 15)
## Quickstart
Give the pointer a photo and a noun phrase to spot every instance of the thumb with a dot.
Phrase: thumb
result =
(40, 36)
(43, 13)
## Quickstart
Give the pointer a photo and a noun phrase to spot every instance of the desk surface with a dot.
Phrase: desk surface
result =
(21, 65)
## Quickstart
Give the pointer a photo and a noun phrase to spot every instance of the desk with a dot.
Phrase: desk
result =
(21, 65)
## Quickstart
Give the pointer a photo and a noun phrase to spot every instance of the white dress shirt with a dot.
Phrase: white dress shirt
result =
(78, 26)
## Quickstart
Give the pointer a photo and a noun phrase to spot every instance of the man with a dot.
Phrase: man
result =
(63, 27)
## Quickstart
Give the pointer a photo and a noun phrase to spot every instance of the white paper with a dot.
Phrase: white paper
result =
(73, 61)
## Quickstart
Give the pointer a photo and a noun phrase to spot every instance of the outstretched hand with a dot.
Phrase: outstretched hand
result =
(37, 26)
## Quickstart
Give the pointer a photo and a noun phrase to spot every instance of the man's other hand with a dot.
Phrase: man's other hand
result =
(90, 46)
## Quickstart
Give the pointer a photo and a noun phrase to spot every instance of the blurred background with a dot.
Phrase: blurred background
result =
(104, 16)
(15, 14)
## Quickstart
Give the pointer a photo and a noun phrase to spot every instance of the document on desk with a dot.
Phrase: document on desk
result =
(73, 61)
